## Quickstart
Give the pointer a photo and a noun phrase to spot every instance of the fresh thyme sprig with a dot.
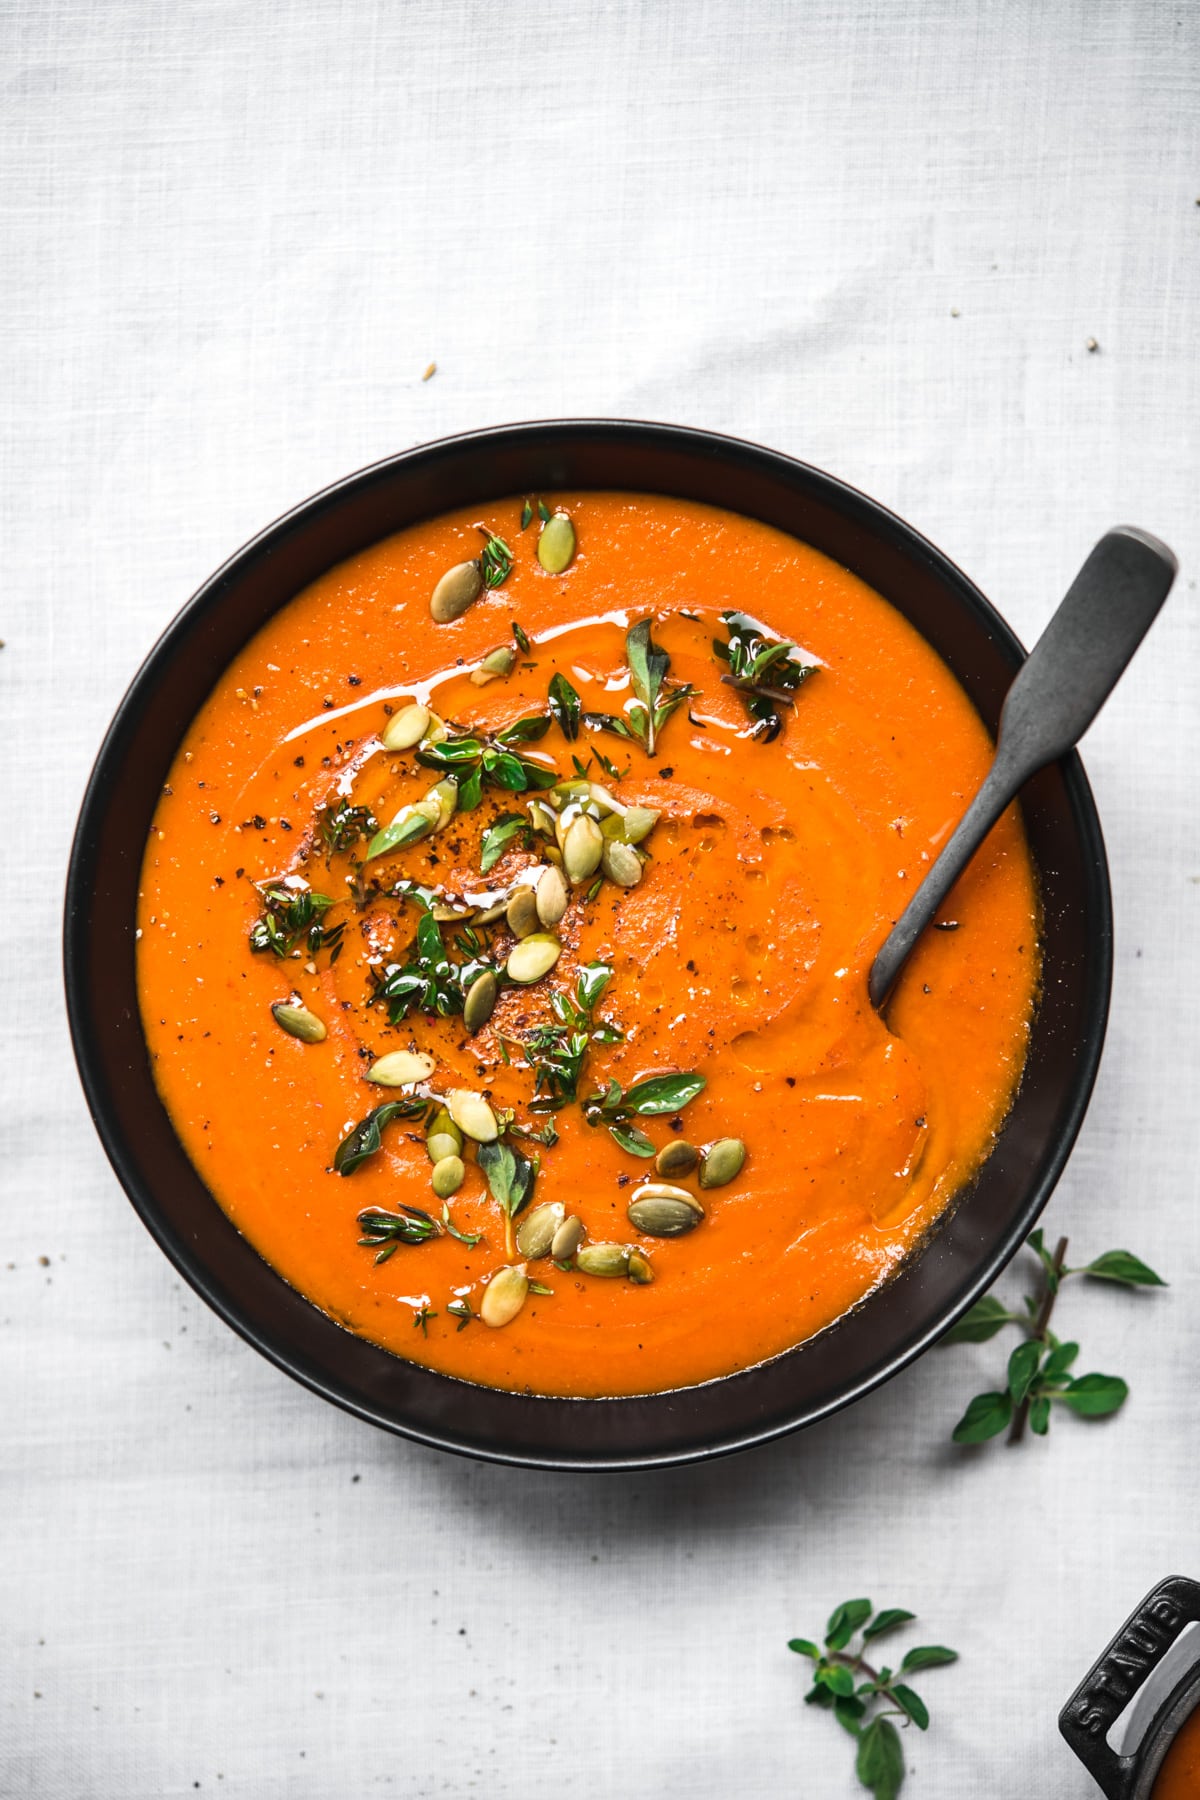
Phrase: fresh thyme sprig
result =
(408, 1225)
(763, 668)
(557, 1053)
(429, 981)
(289, 917)
(342, 825)
(656, 698)
(865, 1700)
(1039, 1370)
(477, 762)
(496, 559)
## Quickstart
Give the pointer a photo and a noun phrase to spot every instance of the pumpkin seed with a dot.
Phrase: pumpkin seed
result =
(400, 1068)
(495, 663)
(537, 1229)
(556, 544)
(458, 589)
(563, 792)
(448, 1176)
(405, 728)
(621, 863)
(533, 957)
(678, 1158)
(504, 1296)
(567, 1238)
(298, 1022)
(444, 795)
(722, 1162)
(490, 914)
(480, 1002)
(541, 818)
(441, 1144)
(582, 847)
(602, 1259)
(606, 802)
(449, 912)
(473, 1116)
(631, 826)
(522, 913)
(639, 1269)
(660, 1214)
(550, 897)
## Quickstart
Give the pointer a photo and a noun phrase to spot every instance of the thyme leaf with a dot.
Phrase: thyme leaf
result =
(655, 698)
(342, 825)
(764, 669)
(566, 707)
(509, 1173)
(496, 560)
(365, 1138)
(289, 917)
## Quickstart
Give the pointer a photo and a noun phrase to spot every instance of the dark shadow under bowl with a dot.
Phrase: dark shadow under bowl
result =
(961, 1257)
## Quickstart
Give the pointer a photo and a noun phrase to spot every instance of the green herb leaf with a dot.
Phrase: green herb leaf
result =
(986, 1415)
(526, 515)
(1022, 1367)
(524, 731)
(292, 916)
(844, 1621)
(804, 1647)
(470, 791)
(764, 669)
(521, 637)
(848, 1711)
(983, 1321)
(879, 1764)
(365, 1138)
(886, 1621)
(1036, 1242)
(1039, 1415)
(1093, 1396)
(509, 1174)
(1059, 1361)
(649, 666)
(496, 562)
(629, 1138)
(565, 706)
(912, 1703)
(499, 836)
(544, 513)
(662, 1094)
(836, 1677)
(593, 979)
(927, 1656)
(1124, 1267)
(469, 1238)
(461, 1309)
(343, 824)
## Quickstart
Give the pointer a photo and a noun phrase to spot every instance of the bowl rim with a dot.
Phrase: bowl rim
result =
(78, 949)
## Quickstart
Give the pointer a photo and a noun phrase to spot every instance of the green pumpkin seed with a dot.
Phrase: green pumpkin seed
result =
(632, 826)
(621, 863)
(522, 913)
(448, 1176)
(537, 1229)
(550, 897)
(495, 664)
(298, 1022)
(541, 818)
(567, 1238)
(678, 1158)
(473, 1116)
(556, 544)
(443, 795)
(480, 1002)
(659, 1216)
(639, 1269)
(722, 1162)
(563, 792)
(533, 957)
(582, 848)
(608, 1260)
(441, 1144)
(490, 914)
(405, 728)
(504, 1296)
(458, 589)
(400, 1068)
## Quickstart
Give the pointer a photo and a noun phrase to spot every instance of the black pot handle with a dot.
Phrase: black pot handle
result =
(1115, 1678)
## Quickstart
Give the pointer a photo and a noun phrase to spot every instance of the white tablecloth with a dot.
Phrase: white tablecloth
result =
(878, 236)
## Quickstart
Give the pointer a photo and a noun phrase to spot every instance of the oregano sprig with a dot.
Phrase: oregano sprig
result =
(1039, 1376)
(656, 698)
(865, 1700)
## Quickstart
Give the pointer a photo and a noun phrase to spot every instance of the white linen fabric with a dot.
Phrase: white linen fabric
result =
(949, 250)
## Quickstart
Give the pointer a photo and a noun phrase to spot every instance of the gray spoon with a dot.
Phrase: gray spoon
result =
(1057, 692)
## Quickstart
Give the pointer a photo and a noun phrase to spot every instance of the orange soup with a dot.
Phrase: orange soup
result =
(1179, 1777)
(504, 934)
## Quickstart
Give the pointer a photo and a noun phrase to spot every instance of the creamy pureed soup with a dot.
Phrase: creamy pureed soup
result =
(504, 970)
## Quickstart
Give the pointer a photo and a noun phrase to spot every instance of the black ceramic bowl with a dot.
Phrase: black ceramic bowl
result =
(970, 1245)
(1124, 1673)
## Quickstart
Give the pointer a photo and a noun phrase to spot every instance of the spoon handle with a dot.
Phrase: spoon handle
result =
(1057, 692)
